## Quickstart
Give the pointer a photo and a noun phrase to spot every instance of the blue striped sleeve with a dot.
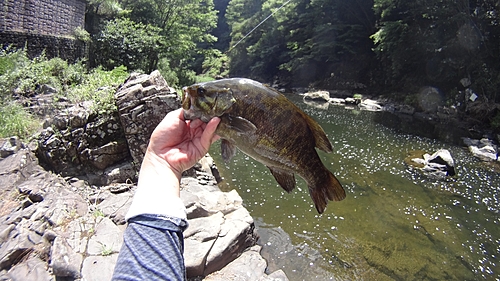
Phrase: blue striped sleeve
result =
(152, 249)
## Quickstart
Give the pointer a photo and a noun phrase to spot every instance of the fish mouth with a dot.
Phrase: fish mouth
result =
(187, 101)
(191, 114)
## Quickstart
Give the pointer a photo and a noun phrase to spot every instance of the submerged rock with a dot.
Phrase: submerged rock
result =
(370, 105)
(440, 164)
(483, 149)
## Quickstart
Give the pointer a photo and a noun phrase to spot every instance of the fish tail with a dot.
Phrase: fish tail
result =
(329, 188)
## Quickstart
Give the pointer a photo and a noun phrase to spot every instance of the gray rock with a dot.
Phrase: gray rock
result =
(205, 228)
(9, 146)
(205, 198)
(323, 96)
(115, 206)
(143, 101)
(278, 275)
(65, 262)
(337, 101)
(34, 269)
(19, 243)
(370, 105)
(350, 101)
(220, 228)
(120, 173)
(98, 268)
(249, 266)
(195, 255)
(440, 164)
(63, 207)
(319, 104)
(235, 236)
(78, 231)
(107, 238)
(483, 149)
(78, 143)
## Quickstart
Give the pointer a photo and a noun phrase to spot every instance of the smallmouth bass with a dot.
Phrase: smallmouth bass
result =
(268, 127)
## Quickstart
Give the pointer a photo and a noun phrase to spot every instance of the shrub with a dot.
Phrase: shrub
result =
(16, 121)
(99, 86)
(22, 76)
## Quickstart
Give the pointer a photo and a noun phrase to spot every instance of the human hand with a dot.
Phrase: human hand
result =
(174, 146)
(180, 143)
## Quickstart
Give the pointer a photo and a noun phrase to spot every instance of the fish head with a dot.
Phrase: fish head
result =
(206, 100)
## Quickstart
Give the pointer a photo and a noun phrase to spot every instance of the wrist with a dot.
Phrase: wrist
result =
(156, 168)
(158, 190)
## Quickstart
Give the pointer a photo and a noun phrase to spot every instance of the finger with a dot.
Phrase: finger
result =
(179, 113)
(215, 138)
(209, 132)
(194, 124)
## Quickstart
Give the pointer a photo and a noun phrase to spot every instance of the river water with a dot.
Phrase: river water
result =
(395, 224)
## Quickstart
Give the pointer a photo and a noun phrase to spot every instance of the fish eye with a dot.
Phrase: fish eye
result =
(202, 91)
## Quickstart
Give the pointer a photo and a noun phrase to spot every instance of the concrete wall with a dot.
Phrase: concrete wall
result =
(43, 25)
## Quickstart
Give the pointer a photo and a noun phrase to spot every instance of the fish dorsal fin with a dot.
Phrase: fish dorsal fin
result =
(285, 179)
(228, 150)
(321, 141)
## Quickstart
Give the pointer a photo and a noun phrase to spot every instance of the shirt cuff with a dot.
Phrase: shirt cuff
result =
(145, 203)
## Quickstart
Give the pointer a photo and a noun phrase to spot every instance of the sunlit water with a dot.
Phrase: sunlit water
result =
(395, 223)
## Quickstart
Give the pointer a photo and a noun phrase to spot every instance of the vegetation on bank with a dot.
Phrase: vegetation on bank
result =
(21, 78)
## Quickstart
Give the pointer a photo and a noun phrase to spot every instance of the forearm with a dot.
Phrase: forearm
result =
(157, 190)
(152, 250)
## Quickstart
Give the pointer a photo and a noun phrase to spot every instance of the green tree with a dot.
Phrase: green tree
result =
(304, 42)
(437, 43)
(134, 45)
(184, 26)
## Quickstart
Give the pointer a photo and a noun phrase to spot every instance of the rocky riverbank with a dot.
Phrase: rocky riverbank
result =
(65, 195)
(437, 122)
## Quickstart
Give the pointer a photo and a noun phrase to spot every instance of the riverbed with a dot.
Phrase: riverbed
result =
(395, 224)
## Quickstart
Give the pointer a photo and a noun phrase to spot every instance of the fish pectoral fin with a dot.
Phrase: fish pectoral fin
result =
(241, 125)
(285, 179)
(228, 150)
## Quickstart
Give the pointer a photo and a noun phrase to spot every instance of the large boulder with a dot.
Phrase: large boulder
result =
(77, 142)
(220, 228)
(143, 101)
(250, 266)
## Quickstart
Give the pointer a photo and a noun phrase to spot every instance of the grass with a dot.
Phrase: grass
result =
(21, 76)
(16, 121)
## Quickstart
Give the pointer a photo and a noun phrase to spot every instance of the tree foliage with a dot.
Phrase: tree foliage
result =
(304, 42)
(429, 42)
(145, 32)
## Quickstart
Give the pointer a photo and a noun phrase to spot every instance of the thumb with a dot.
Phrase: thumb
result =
(208, 136)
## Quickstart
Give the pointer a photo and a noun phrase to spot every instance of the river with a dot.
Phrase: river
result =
(395, 224)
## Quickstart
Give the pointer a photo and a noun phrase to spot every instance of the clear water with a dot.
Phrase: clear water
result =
(395, 223)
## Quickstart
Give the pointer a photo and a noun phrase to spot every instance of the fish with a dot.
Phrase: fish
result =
(268, 127)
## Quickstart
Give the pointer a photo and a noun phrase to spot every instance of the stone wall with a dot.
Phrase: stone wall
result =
(45, 17)
(43, 25)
